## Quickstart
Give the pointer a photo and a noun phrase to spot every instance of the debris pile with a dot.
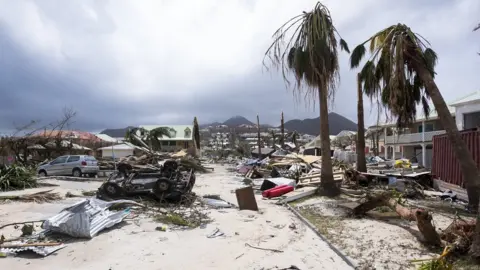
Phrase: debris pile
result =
(15, 177)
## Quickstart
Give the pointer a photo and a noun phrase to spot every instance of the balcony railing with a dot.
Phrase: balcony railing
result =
(413, 137)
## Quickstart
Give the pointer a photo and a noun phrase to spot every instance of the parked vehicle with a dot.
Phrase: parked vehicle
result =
(74, 165)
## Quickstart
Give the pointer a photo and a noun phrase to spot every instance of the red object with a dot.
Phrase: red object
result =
(445, 165)
(279, 191)
(266, 192)
(84, 163)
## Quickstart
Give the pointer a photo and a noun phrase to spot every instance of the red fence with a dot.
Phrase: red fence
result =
(445, 165)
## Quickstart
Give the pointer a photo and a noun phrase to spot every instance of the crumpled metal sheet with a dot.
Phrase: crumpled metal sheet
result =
(40, 250)
(86, 218)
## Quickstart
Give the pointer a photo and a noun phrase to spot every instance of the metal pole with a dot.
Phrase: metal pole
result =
(114, 162)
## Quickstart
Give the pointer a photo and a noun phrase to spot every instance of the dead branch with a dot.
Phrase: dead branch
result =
(267, 249)
(421, 216)
(20, 223)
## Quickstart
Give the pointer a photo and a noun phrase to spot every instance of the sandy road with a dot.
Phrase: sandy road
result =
(137, 245)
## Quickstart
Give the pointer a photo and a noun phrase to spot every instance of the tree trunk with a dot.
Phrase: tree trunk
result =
(327, 184)
(422, 217)
(361, 162)
(258, 138)
(282, 128)
(470, 171)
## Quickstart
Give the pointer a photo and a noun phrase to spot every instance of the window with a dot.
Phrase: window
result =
(90, 158)
(188, 132)
(471, 120)
(428, 127)
(59, 160)
(73, 158)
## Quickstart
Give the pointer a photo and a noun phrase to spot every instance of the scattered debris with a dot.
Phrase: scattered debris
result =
(86, 218)
(38, 197)
(246, 199)
(267, 249)
(216, 233)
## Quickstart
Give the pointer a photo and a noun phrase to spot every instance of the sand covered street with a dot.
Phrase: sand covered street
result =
(136, 244)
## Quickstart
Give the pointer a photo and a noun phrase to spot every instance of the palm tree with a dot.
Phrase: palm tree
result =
(156, 133)
(147, 138)
(311, 54)
(360, 147)
(401, 73)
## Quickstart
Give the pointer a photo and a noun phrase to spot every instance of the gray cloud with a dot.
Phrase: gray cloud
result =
(142, 63)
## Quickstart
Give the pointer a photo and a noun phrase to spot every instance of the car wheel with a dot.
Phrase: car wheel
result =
(42, 173)
(77, 173)
(112, 190)
(161, 187)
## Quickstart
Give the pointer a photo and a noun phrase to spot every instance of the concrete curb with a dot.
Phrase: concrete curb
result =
(314, 229)
(73, 179)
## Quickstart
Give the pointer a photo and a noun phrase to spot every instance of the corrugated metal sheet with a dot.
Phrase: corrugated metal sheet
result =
(86, 218)
(445, 165)
(40, 250)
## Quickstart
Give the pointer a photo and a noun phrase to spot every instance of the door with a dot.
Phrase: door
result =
(72, 162)
(57, 166)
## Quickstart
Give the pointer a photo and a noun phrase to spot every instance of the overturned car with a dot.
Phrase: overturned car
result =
(167, 182)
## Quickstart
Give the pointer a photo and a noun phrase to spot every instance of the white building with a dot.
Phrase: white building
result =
(467, 111)
(117, 151)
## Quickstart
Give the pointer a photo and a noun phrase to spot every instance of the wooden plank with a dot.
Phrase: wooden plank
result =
(246, 199)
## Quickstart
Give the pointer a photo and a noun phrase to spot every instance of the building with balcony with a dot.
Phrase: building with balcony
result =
(415, 142)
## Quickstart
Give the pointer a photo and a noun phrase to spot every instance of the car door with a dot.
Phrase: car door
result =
(72, 162)
(57, 166)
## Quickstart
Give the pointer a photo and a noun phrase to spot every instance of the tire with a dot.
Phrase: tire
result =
(112, 190)
(162, 186)
(92, 174)
(77, 173)
(42, 173)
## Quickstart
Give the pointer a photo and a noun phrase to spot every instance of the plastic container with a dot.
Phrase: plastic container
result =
(266, 193)
(280, 191)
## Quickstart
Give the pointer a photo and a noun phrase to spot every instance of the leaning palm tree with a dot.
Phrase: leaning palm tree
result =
(401, 72)
(311, 54)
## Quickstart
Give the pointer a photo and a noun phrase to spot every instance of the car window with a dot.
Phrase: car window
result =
(60, 160)
(90, 158)
(73, 158)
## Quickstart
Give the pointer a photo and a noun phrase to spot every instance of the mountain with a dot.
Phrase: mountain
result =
(237, 121)
(336, 123)
(116, 132)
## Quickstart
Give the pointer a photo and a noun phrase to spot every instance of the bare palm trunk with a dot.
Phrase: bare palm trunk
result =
(327, 184)
(361, 162)
(470, 171)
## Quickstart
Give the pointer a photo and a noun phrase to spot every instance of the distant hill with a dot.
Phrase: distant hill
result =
(116, 132)
(336, 122)
(237, 121)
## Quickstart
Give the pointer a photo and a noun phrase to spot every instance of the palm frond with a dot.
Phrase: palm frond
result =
(306, 46)
(344, 45)
(390, 74)
(357, 54)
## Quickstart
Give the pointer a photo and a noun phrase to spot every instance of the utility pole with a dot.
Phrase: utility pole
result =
(258, 137)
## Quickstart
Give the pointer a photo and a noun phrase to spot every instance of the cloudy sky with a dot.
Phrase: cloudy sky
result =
(123, 62)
